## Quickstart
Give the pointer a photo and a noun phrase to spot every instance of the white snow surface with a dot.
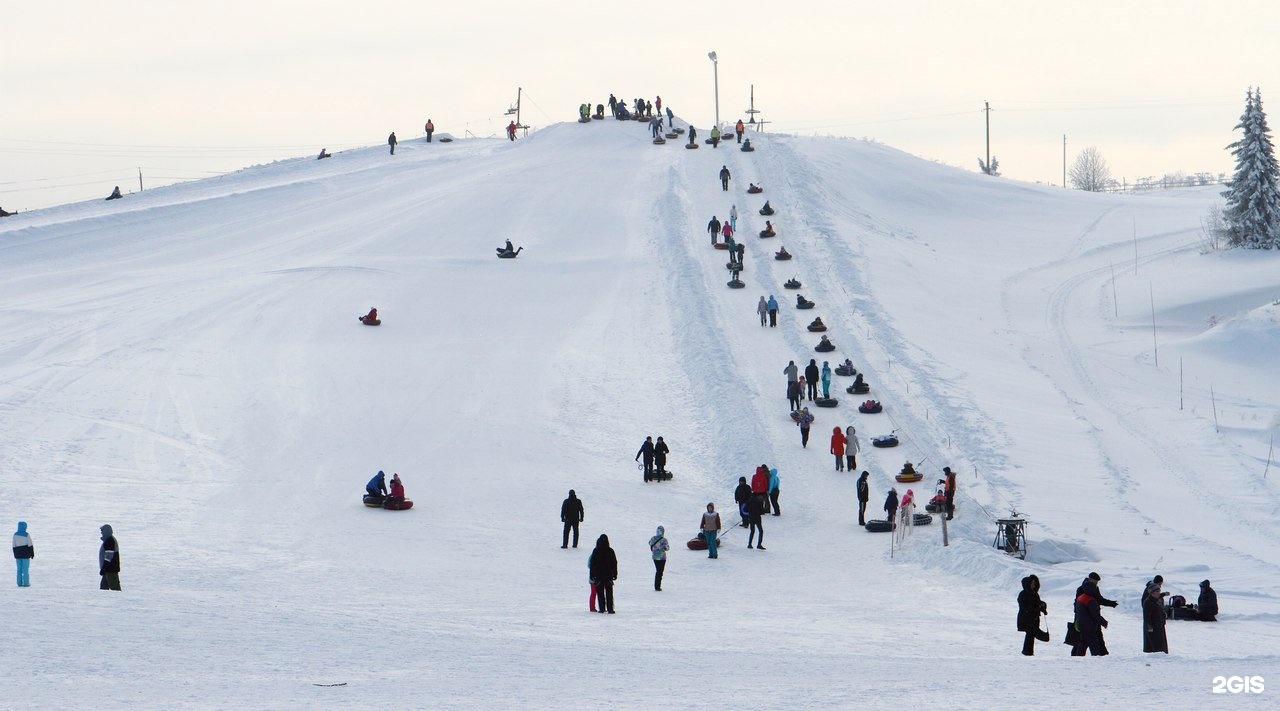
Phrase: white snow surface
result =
(185, 364)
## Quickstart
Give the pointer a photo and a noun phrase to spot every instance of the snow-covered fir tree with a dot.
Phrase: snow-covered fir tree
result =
(1253, 202)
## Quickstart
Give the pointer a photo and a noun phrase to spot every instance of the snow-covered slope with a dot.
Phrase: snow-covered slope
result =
(185, 364)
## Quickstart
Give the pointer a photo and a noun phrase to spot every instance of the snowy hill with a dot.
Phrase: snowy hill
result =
(185, 365)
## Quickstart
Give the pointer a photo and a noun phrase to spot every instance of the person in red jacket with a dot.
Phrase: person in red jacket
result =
(371, 316)
(760, 485)
(397, 490)
(511, 130)
(838, 441)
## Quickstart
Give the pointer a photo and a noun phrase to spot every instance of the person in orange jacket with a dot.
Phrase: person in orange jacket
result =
(838, 441)
(430, 128)
(739, 129)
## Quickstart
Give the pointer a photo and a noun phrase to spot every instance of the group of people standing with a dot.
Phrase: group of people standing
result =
(655, 458)
(24, 551)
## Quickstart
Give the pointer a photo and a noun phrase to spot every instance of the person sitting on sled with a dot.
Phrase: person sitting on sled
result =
(397, 490)
(507, 249)
(377, 486)
(370, 318)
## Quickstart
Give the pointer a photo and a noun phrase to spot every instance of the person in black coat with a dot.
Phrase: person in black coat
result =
(714, 228)
(646, 451)
(660, 452)
(1089, 619)
(109, 560)
(1153, 617)
(724, 177)
(1207, 604)
(742, 495)
(603, 567)
(891, 506)
(811, 376)
(864, 495)
(571, 514)
(1030, 607)
(755, 515)
(391, 141)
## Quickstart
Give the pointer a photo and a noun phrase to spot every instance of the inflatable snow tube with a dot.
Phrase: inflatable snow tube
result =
(735, 284)
(791, 284)
(367, 322)
(795, 416)
(817, 327)
(766, 234)
(373, 501)
(722, 245)
(826, 402)
(397, 505)
(661, 476)
(747, 149)
(784, 257)
(659, 141)
(931, 507)
(677, 131)
(753, 190)
(826, 348)
(846, 370)
(878, 526)
(804, 305)
(672, 134)
(862, 389)
(767, 212)
(908, 478)
(698, 543)
(885, 441)
(690, 145)
(870, 407)
(921, 520)
(583, 119)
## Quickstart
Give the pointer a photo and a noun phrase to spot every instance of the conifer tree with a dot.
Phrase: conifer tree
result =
(1252, 211)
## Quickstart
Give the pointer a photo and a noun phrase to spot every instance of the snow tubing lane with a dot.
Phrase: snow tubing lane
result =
(878, 526)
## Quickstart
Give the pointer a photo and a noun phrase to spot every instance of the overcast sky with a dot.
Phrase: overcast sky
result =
(92, 91)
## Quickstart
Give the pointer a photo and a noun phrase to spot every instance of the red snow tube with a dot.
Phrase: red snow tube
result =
(374, 322)
(397, 506)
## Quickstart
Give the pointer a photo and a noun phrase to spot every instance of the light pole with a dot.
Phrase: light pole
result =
(715, 73)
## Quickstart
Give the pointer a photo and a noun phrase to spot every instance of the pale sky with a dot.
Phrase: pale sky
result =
(92, 91)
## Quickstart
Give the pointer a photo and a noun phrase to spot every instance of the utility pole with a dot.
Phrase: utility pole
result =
(987, 110)
(139, 178)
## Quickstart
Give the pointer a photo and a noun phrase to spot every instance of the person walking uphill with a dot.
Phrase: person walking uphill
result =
(571, 514)
(1030, 607)
(603, 567)
(109, 560)
(763, 309)
(658, 546)
(714, 228)
(1088, 618)
(864, 495)
(837, 447)
(710, 527)
(646, 451)
(755, 511)
(391, 141)
(772, 305)
(23, 553)
(773, 491)
(724, 178)
(430, 129)
(851, 448)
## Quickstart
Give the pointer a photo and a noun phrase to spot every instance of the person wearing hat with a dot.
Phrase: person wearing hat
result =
(23, 552)
(1207, 604)
(1088, 618)
(1153, 617)
(109, 560)
(864, 495)
(659, 546)
(397, 490)
(949, 489)
(891, 506)
(741, 496)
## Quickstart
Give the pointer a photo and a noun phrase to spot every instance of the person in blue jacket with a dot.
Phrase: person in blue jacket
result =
(377, 486)
(773, 491)
(826, 380)
(772, 305)
(23, 552)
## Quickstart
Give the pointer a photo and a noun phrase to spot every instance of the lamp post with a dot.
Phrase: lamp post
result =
(715, 73)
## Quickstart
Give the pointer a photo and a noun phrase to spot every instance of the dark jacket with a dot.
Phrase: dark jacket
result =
(891, 504)
(647, 450)
(571, 510)
(864, 490)
(811, 372)
(755, 507)
(713, 227)
(108, 554)
(742, 494)
(724, 173)
(660, 451)
(1207, 605)
(603, 564)
(1029, 605)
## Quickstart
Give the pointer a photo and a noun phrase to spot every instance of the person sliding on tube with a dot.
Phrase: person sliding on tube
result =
(377, 486)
